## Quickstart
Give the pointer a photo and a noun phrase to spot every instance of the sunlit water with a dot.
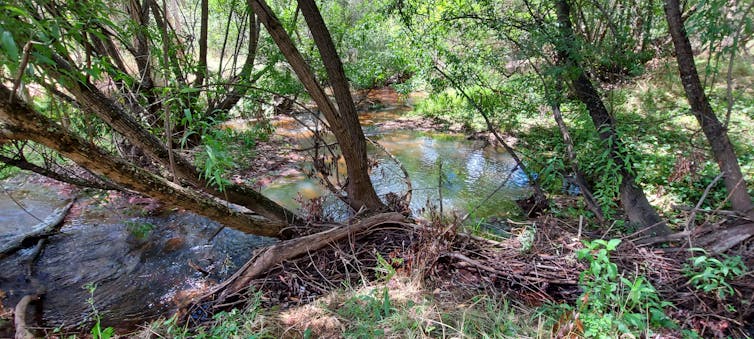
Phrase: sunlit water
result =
(475, 179)
(140, 262)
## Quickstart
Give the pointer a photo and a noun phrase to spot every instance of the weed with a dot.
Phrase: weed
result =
(366, 312)
(712, 275)
(140, 230)
(97, 331)
(385, 270)
(611, 303)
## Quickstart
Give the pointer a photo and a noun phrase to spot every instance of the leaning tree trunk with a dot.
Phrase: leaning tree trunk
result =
(632, 197)
(716, 134)
(343, 122)
(21, 122)
(352, 142)
(94, 101)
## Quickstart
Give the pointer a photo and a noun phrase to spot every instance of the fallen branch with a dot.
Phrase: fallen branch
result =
(42, 229)
(271, 256)
(22, 331)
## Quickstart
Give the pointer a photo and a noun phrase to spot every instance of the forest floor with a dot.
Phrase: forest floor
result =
(438, 278)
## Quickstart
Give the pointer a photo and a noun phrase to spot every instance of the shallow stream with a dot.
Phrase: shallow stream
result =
(143, 260)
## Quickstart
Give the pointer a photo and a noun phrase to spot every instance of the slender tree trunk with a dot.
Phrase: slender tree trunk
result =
(632, 197)
(344, 124)
(21, 122)
(240, 86)
(201, 72)
(716, 134)
(586, 192)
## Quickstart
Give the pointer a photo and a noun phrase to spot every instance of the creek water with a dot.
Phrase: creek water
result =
(471, 171)
(140, 262)
(144, 262)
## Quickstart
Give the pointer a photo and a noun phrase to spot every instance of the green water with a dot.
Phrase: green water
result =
(470, 175)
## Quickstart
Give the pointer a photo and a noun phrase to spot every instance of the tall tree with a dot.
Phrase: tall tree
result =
(632, 197)
(343, 120)
(716, 133)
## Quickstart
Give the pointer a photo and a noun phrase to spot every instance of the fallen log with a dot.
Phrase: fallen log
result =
(42, 229)
(269, 257)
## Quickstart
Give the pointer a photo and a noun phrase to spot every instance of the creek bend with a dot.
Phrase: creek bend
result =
(143, 260)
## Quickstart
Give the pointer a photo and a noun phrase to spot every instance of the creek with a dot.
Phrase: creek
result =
(145, 260)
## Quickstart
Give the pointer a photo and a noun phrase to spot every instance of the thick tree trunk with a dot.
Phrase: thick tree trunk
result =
(353, 143)
(344, 123)
(94, 101)
(632, 197)
(716, 134)
(21, 122)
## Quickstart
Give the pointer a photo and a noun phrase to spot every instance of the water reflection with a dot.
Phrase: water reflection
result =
(469, 174)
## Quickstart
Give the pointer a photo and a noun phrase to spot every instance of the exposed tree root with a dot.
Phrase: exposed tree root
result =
(22, 332)
(536, 265)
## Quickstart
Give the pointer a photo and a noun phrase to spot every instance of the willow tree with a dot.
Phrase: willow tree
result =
(82, 55)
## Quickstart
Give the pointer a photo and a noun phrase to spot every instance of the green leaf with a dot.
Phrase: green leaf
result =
(9, 45)
(612, 244)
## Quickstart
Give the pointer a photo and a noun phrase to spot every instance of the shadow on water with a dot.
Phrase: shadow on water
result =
(144, 263)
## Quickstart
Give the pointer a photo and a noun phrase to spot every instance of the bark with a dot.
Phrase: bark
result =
(24, 164)
(359, 188)
(201, 73)
(268, 257)
(344, 123)
(632, 197)
(21, 122)
(92, 100)
(22, 329)
(586, 192)
(716, 133)
(142, 56)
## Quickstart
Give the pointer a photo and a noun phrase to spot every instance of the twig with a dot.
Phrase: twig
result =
(692, 216)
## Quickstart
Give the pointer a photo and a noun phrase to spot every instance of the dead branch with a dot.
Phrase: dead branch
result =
(22, 332)
(43, 228)
(271, 256)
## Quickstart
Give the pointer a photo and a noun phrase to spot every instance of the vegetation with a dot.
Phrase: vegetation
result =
(631, 119)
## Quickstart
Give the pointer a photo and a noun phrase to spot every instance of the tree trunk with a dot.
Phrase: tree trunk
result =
(21, 122)
(586, 192)
(94, 101)
(343, 122)
(353, 143)
(632, 197)
(241, 85)
(716, 134)
(201, 72)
